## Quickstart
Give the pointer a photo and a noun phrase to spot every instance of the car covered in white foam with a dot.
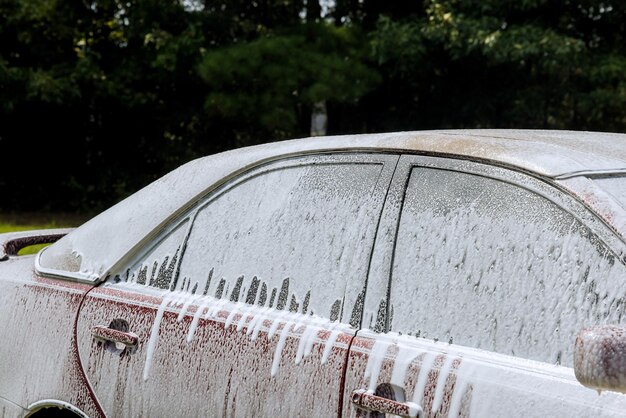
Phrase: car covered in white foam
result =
(477, 273)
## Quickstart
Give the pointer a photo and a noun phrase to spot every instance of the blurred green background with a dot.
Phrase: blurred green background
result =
(98, 98)
(25, 221)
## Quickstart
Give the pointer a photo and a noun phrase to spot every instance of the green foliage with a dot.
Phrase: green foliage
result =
(533, 64)
(99, 97)
(398, 46)
(33, 221)
(272, 82)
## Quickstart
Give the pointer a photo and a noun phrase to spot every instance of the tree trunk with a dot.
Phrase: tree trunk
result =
(319, 119)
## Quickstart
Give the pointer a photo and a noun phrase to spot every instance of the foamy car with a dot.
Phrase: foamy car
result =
(443, 273)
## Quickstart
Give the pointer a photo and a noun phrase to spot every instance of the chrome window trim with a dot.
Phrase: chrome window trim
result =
(592, 174)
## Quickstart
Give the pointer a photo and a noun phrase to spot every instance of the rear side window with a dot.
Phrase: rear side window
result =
(295, 238)
(487, 264)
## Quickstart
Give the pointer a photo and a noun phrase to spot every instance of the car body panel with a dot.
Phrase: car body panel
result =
(37, 317)
(238, 353)
(10, 409)
(457, 381)
(211, 357)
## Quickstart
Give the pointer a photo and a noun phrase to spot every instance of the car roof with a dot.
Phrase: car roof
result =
(546, 153)
(101, 245)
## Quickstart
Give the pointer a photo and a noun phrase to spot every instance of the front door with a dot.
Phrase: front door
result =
(242, 306)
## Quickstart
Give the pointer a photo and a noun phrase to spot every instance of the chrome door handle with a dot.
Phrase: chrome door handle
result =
(362, 399)
(129, 339)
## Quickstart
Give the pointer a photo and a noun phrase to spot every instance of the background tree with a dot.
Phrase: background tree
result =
(266, 88)
(99, 97)
(533, 64)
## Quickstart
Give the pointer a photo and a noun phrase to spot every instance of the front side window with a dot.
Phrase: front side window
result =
(484, 263)
(291, 236)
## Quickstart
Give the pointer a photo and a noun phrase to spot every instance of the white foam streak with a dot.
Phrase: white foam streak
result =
(214, 311)
(444, 372)
(279, 347)
(332, 338)
(404, 358)
(374, 363)
(274, 326)
(415, 410)
(305, 346)
(154, 337)
(310, 340)
(183, 311)
(463, 374)
(244, 317)
(231, 318)
(427, 363)
(196, 319)
(302, 342)
(251, 319)
(259, 319)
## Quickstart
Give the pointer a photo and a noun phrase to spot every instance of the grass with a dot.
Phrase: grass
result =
(12, 222)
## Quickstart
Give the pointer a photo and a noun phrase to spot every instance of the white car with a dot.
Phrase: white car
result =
(442, 273)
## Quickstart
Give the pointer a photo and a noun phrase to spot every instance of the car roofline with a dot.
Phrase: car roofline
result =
(535, 155)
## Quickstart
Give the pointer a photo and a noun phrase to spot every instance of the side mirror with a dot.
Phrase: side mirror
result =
(600, 357)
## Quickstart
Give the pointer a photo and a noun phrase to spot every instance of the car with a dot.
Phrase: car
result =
(471, 273)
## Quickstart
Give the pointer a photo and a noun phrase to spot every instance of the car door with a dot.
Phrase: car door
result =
(488, 275)
(242, 306)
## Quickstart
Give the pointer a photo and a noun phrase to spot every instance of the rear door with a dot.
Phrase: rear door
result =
(492, 275)
(242, 307)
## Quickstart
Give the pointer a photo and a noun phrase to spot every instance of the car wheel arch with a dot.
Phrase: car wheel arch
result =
(54, 408)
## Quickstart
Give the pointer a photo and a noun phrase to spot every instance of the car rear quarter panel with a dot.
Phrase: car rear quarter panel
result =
(453, 381)
(38, 359)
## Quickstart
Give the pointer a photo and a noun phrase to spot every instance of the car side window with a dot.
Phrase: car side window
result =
(289, 236)
(484, 263)
(163, 258)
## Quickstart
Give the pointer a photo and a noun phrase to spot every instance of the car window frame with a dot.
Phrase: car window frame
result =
(387, 160)
(545, 187)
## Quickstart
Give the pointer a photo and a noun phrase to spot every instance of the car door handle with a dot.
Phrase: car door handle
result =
(362, 399)
(129, 339)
